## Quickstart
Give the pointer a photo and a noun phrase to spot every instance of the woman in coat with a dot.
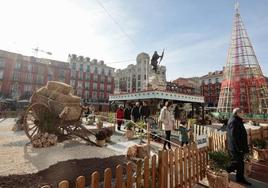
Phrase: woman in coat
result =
(167, 122)
(119, 116)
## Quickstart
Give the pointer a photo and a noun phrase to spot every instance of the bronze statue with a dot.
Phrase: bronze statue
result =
(154, 60)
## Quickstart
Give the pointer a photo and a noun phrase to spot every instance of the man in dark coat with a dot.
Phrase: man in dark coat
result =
(135, 112)
(237, 145)
(144, 111)
(127, 112)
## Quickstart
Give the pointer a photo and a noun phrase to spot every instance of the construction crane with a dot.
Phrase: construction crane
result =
(36, 50)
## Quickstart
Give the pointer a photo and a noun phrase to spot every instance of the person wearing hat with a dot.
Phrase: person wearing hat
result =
(237, 145)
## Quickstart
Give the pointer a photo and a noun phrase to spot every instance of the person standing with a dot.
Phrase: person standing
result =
(176, 114)
(167, 123)
(119, 117)
(184, 133)
(237, 145)
(127, 112)
(144, 111)
(135, 112)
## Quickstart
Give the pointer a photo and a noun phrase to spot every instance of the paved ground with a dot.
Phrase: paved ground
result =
(16, 157)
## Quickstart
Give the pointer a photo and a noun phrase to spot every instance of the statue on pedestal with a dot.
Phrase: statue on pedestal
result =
(154, 60)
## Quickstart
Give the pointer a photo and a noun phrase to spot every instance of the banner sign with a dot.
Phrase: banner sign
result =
(201, 141)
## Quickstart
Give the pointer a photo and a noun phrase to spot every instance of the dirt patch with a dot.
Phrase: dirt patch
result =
(66, 170)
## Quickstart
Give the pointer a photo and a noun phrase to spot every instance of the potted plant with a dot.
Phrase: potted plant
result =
(216, 171)
(130, 132)
(260, 151)
(99, 124)
(248, 165)
(100, 137)
(109, 132)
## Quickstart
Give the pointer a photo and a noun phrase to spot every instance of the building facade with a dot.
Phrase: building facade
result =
(91, 79)
(210, 87)
(21, 75)
(187, 85)
(135, 78)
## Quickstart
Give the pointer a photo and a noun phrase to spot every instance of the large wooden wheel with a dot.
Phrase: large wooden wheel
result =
(33, 119)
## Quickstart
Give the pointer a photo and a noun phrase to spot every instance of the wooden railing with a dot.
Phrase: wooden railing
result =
(183, 167)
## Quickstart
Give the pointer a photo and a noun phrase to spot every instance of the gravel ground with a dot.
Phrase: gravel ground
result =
(16, 157)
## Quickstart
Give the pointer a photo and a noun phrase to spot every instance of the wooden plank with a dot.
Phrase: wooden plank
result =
(185, 166)
(46, 186)
(189, 164)
(171, 167)
(176, 168)
(129, 175)
(153, 171)
(80, 182)
(181, 167)
(160, 169)
(64, 184)
(118, 176)
(95, 179)
(146, 174)
(139, 177)
(107, 178)
(194, 164)
(165, 165)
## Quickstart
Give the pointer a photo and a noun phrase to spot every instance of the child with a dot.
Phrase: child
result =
(184, 133)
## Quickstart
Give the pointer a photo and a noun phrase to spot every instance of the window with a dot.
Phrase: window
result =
(95, 86)
(139, 84)
(81, 67)
(88, 68)
(217, 80)
(1, 74)
(109, 80)
(40, 79)
(109, 88)
(87, 94)
(87, 76)
(87, 85)
(80, 84)
(95, 78)
(139, 77)
(79, 93)
(29, 67)
(17, 66)
(209, 81)
(102, 87)
(144, 77)
(50, 71)
(109, 73)
(16, 76)
(14, 87)
(73, 74)
(96, 70)
(29, 77)
(80, 75)
(94, 95)
(27, 88)
(62, 73)
(102, 79)
(102, 71)
(74, 66)
(49, 77)
(40, 70)
(72, 83)
(101, 95)
(2, 63)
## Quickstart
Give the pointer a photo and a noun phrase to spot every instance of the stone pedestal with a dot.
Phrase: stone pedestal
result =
(156, 82)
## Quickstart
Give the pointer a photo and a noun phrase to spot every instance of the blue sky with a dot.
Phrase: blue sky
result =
(194, 33)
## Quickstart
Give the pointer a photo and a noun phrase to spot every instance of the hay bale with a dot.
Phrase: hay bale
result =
(59, 87)
(68, 98)
(132, 151)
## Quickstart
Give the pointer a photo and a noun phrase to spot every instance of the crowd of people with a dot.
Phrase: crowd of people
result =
(168, 118)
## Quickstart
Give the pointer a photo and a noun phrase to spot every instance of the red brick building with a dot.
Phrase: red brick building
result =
(189, 86)
(211, 87)
(21, 75)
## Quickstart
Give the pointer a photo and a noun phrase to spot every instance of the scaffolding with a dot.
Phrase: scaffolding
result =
(243, 84)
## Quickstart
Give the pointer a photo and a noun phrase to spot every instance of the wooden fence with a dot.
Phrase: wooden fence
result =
(184, 167)
(218, 139)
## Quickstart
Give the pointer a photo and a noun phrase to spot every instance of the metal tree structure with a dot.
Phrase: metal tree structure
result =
(243, 82)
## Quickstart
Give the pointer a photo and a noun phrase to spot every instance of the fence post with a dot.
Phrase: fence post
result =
(171, 165)
(160, 169)
(138, 180)
(185, 166)
(129, 175)
(107, 178)
(80, 182)
(146, 173)
(118, 176)
(154, 171)
(176, 167)
(95, 179)
(261, 132)
(63, 184)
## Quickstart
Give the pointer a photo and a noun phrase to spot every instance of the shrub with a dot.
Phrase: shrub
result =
(129, 125)
(258, 143)
(100, 135)
(219, 160)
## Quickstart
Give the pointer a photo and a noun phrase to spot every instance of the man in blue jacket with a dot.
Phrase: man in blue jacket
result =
(237, 145)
